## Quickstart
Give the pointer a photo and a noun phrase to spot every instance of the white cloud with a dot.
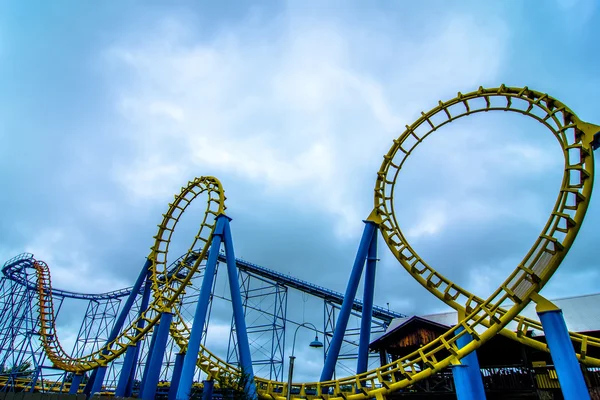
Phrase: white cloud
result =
(297, 115)
(62, 249)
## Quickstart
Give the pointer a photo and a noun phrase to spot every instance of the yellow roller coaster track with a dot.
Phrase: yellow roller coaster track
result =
(483, 318)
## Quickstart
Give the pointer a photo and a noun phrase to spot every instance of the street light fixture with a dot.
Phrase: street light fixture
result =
(315, 343)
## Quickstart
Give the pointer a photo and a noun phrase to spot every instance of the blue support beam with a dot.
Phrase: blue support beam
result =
(207, 391)
(97, 378)
(176, 375)
(141, 324)
(562, 352)
(34, 380)
(157, 355)
(189, 362)
(468, 382)
(238, 314)
(87, 389)
(130, 356)
(75, 382)
(147, 366)
(367, 311)
(346, 309)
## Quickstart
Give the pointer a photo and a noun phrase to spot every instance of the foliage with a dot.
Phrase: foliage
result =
(22, 370)
(233, 386)
(70, 375)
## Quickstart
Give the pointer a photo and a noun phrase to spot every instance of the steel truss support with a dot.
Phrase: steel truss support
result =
(176, 375)
(467, 375)
(349, 349)
(155, 358)
(21, 352)
(95, 383)
(127, 375)
(367, 311)
(266, 302)
(342, 323)
(562, 352)
(207, 389)
(222, 233)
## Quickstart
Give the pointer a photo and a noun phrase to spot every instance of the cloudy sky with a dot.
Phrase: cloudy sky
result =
(106, 110)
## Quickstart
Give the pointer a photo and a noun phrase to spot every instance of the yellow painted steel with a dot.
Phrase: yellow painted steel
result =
(166, 287)
(483, 318)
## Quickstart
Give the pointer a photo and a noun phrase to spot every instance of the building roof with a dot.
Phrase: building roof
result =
(406, 323)
(581, 313)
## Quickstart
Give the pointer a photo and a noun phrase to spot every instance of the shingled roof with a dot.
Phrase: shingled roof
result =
(582, 314)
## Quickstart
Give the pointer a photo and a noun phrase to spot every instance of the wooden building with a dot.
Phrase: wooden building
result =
(509, 369)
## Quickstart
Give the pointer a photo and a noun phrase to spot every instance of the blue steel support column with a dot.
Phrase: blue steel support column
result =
(189, 362)
(88, 386)
(156, 357)
(176, 375)
(130, 356)
(97, 377)
(467, 376)
(127, 375)
(34, 380)
(97, 385)
(207, 391)
(562, 352)
(147, 366)
(238, 313)
(342, 322)
(141, 324)
(367, 311)
(75, 384)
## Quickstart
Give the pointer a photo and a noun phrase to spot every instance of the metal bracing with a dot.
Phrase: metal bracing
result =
(382, 313)
(349, 351)
(96, 325)
(265, 307)
(22, 358)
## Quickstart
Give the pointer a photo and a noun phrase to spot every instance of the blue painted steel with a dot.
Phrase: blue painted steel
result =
(157, 355)
(462, 382)
(176, 375)
(332, 296)
(125, 373)
(342, 322)
(467, 376)
(141, 324)
(147, 366)
(99, 379)
(95, 383)
(207, 391)
(12, 271)
(34, 380)
(367, 312)
(12, 267)
(75, 382)
(88, 385)
(562, 352)
(238, 314)
(118, 326)
(189, 363)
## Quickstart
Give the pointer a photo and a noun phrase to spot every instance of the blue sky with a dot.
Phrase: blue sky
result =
(107, 109)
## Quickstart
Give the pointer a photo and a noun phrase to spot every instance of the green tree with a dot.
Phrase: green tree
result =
(21, 370)
(233, 386)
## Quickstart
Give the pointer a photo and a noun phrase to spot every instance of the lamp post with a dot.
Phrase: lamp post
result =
(315, 343)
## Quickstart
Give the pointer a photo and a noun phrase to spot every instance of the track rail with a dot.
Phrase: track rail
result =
(379, 312)
(483, 318)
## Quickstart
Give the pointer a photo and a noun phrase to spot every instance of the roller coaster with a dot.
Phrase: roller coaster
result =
(128, 336)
